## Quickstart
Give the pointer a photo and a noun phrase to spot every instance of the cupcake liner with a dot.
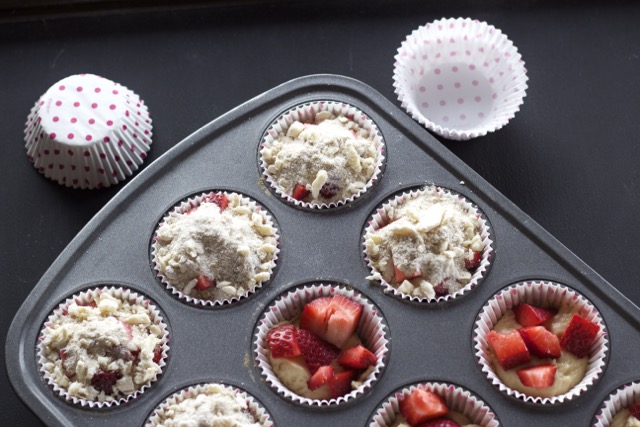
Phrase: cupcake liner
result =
(624, 397)
(306, 113)
(254, 407)
(88, 132)
(457, 399)
(380, 218)
(191, 203)
(371, 330)
(460, 78)
(83, 298)
(545, 294)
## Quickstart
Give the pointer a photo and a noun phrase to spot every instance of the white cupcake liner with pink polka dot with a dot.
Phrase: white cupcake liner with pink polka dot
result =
(460, 78)
(88, 132)
(456, 398)
(618, 401)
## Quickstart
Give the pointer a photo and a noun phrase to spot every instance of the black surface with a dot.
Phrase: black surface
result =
(569, 158)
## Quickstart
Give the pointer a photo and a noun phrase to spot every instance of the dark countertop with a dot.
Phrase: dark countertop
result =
(570, 158)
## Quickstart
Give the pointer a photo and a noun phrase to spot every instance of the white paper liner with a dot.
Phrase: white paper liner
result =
(456, 398)
(623, 398)
(88, 132)
(372, 330)
(258, 412)
(460, 78)
(380, 218)
(85, 297)
(306, 113)
(191, 203)
(546, 294)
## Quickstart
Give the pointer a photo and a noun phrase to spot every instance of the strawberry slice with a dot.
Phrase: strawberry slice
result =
(440, 422)
(300, 192)
(283, 342)
(315, 351)
(635, 410)
(510, 348)
(315, 315)
(204, 283)
(357, 357)
(540, 376)
(219, 199)
(473, 261)
(422, 405)
(529, 315)
(340, 383)
(343, 321)
(401, 276)
(579, 336)
(320, 378)
(541, 342)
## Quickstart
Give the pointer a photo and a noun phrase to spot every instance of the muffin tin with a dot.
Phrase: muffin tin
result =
(428, 342)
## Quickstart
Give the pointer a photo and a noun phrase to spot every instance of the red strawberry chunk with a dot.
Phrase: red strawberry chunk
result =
(283, 341)
(329, 190)
(473, 261)
(204, 283)
(315, 315)
(540, 376)
(441, 289)
(219, 199)
(343, 320)
(579, 336)
(320, 378)
(157, 354)
(401, 276)
(635, 410)
(422, 405)
(357, 357)
(105, 380)
(540, 341)
(63, 354)
(300, 192)
(340, 383)
(440, 422)
(510, 348)
(315, 351)
(529, 315)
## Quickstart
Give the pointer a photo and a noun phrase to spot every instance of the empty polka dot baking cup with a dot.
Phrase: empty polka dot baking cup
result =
(460, 78)
(88, 132)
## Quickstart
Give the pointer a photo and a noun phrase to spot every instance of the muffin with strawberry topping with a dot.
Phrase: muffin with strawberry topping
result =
(323, 154)
(215, 248)
(628, 417)
(102, 346)
(425, 408)
(427, 244)
(320, 353)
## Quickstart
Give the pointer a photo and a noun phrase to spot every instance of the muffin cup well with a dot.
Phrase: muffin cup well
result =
(372, 330)
(460, 78)
(380, 218)
(191, 203)
(545, 294)
(254, 408)
(85, 298)
(306, 113)
(88, 132)
(622, 398)
(456, 398)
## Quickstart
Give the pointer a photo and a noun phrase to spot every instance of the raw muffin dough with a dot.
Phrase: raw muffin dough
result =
(625, 419)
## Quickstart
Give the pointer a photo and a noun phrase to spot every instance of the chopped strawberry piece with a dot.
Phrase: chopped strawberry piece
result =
(219, 199)
(157, 354)
(510, 348)
(401, 276)
(204, 283)
(340, 383)
(320, 378)
(300, 192)
(540, 341)
(283, 341)
(315, 315)
(63, 354)
(529, 315)
(315, 351)
(537, 376)
(105, 380)
(329, 190)
(473, 261)
(422, 405)
(440, 422)
(579, 336)
(635, 410)
(343, 320)
(357, 357)
(441, 290)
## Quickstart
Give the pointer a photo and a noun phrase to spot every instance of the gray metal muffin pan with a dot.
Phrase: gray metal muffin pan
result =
(427, 343)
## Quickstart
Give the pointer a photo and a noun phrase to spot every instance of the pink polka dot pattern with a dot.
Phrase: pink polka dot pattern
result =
(470, 76)
(87, 121)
